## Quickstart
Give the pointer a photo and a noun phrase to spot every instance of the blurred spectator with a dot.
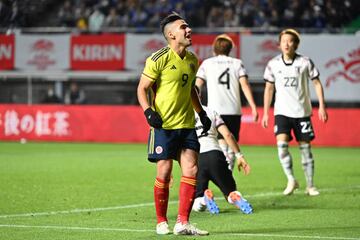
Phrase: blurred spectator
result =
(318, 17)
(81, 16)
(215, 17)
(288, 17)
(51, 97)
(113, 19)
(122, 10)
(16, 15)
(156, 12)
(332, 16)
(137, 16)
(96, 20)
(274, 19)
(66, 15)
(248, 15)
(75, 95)
(230, 19)
(5, 14)
(306, 20)
(211, 13)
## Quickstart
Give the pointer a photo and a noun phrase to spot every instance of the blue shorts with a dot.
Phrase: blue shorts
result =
(166, 144)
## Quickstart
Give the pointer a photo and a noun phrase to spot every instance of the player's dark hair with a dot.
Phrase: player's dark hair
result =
(172, 17)
(222, 46)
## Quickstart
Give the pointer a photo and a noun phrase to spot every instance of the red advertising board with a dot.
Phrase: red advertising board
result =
(7, 52)
(341, 129)
(97, 52)
(72, 123)
(202, 45)
(128, 124)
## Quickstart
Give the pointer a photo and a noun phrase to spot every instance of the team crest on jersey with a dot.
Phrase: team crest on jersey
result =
(158, 149)
(297, 70)
(192, 67)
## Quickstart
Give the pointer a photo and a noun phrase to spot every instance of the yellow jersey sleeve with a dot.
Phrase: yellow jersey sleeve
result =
(154, 66)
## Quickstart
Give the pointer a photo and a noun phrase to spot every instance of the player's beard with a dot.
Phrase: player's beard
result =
(187, 42)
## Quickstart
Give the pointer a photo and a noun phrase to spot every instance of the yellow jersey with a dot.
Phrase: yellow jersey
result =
(173, 79)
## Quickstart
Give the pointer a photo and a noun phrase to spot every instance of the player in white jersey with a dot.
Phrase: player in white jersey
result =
(212, 166)
(289, 74)
(223, 76)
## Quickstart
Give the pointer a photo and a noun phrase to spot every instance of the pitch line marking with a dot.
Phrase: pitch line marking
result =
(75, 228)
(73, 211)
(289, 236)
(148, 230)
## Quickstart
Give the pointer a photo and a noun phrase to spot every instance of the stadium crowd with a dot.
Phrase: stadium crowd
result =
(94, 15)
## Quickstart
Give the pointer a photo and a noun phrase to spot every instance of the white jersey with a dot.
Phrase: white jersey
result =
(209, 141)
(292, 96)
(221, 74)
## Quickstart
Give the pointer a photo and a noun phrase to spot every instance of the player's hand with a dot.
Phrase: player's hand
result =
(323, 116)
(153, 118)
(242, 164)
(205, 121)
(255, 114)
(265, 121)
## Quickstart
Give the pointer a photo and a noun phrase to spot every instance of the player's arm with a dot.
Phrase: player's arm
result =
(196, 101)
(245, 86)
(323, 116)
(204, 119)
(142, 91)
(268, 96)
(199, 83)
(230, 140)
(152, 117)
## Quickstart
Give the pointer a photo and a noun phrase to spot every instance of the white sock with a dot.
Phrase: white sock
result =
(307, 162)
(199, 204)
(285, 159)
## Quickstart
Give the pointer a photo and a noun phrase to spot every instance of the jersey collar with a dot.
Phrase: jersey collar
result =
(290, 63)
(177, 55)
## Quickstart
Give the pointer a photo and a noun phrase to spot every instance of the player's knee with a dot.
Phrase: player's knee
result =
(283, 149)
(189, 170)
(306, 153)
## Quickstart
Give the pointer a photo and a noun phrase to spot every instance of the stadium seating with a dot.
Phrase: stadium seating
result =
(146, 14)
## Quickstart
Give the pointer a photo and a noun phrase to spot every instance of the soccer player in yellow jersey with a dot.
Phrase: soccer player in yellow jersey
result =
(170, 74)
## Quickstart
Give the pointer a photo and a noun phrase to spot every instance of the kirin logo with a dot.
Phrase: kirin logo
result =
(269, 45)
(349, 69)
(43, 45)
(153, 44)
(41, 56)
(267, 50)
(150, 46)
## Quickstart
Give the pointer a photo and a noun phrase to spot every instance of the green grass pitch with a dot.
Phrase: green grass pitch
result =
(105, 191)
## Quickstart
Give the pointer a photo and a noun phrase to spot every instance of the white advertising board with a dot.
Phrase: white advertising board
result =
(336, 56)
(42, 52)
(141, 46)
